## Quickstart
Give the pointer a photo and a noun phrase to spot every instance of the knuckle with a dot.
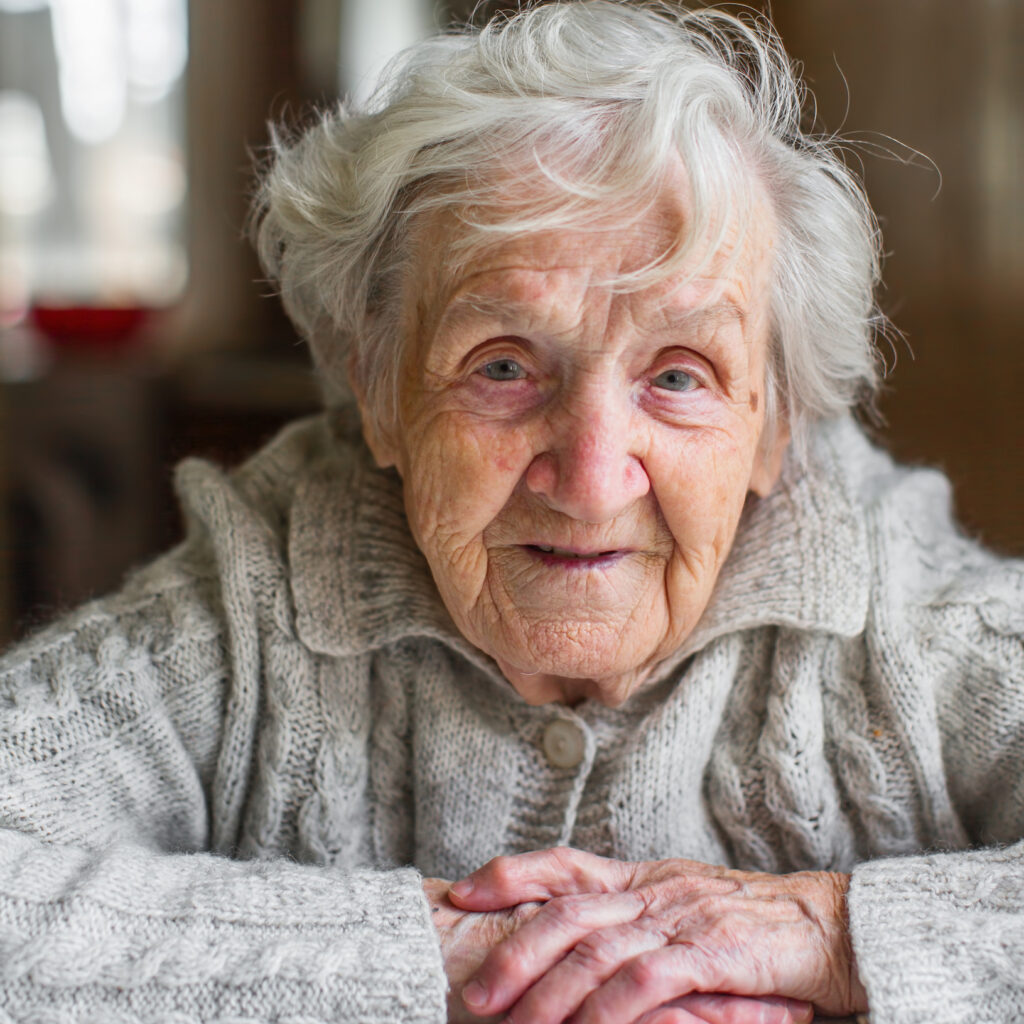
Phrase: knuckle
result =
(501, 870)
(566, 854)
(707, 909)
(595, 954)
(570, 863)
(648, 896)
(645, 972)
(504, 959)
(579, 864)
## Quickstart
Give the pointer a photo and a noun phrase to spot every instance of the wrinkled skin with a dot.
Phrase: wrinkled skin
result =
(468, 936)
(615, 941)
(575, 459)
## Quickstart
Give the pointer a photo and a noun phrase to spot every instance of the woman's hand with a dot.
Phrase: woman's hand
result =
(706, 1008)
(615, 940)
(467, 938)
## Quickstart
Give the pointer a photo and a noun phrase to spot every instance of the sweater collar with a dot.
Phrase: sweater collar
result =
(800, 558)
(359, 582)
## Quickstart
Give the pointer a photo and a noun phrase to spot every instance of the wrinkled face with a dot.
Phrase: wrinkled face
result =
(575, 459)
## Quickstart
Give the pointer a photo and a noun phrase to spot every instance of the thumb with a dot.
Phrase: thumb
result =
(542, 875)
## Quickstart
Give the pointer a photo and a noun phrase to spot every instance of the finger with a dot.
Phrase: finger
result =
(596, 957)
(722, 1008)
(670, 1014)
(715, 1008)
(529, 954)
(542, 875)
(648, 981)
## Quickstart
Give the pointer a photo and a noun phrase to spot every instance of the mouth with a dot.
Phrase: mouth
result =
(551, 555)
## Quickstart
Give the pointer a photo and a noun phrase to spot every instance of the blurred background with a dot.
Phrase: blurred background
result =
(134, 328)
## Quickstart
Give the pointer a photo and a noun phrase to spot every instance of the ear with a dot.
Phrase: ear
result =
(382, 447)
(381, 443)
(768, 460)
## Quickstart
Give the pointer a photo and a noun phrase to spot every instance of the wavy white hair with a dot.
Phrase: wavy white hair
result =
(592, 100)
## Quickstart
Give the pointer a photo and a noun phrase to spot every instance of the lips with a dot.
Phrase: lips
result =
(568, 554)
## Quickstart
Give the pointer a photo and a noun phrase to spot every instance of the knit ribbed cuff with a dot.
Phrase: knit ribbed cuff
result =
(940, 939)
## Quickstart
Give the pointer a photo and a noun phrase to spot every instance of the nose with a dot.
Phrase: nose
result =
(590, 469)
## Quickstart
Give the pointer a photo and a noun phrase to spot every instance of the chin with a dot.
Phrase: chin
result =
(579, 650)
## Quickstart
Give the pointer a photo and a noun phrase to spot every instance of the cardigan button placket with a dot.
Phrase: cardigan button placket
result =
(564, 744)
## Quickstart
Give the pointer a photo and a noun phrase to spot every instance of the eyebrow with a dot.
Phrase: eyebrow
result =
(715, 313)
(468, 306)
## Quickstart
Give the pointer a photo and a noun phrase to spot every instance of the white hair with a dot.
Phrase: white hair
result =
(594, 99)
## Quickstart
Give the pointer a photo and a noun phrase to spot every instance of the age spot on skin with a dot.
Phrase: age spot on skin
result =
(754, 401)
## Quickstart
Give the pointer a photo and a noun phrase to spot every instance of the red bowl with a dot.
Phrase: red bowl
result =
(90, 327)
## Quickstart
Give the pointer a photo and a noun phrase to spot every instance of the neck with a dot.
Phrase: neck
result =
(541, 688)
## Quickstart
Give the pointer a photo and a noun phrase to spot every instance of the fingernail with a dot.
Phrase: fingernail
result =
(463, 888)
(474, 994)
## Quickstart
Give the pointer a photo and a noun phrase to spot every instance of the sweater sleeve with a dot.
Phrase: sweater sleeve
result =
(939, 938)
(112, 907)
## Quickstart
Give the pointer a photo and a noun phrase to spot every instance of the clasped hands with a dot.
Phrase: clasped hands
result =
(562, 935)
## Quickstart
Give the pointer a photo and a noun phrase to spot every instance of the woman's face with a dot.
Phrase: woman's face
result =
(575, 459)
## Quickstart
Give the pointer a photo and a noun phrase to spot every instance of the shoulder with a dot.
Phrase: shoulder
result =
(917, 552)
(177, 620)
(257, 496)
(873, 551)
(942, 644)
(239, 522)
(945, 615)
(135, 684)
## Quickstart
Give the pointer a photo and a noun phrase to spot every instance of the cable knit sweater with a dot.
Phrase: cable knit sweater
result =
(220, 786)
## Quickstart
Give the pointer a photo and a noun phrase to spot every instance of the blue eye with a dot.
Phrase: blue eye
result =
(675, 380)
(503, 369)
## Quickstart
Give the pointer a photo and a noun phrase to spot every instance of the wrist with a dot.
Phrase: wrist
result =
(436, 891)
(857, 994)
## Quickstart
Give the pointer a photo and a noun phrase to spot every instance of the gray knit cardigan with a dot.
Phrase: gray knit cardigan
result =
(220, 786)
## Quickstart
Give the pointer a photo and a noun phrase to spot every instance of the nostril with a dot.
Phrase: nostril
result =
(588, 480)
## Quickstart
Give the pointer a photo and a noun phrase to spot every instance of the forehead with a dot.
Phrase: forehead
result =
(540, 271)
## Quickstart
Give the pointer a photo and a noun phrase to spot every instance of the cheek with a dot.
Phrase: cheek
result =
(506, 463)
(459, 475)
(701, 482)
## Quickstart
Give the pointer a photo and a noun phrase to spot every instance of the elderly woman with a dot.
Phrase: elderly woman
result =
(615, 617)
